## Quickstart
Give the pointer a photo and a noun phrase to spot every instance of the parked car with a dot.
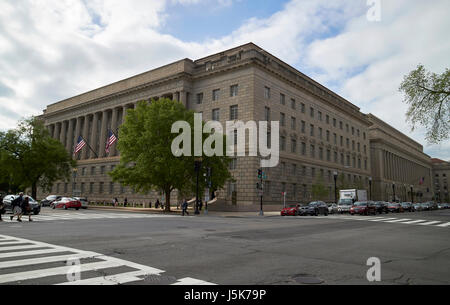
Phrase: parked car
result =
(315, 208)
(291, 210)
(363, 208)
(84, 202)
(34, 205)
(49, 199)
(381, 207)
(417, 207)
(66, 203)
(333, 208)
(425, 206)
(395, 207)
(344, 205)
(407, 206)
(433, 205)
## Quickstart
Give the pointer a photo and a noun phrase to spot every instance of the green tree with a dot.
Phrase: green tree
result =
(147, 162)
(427, 95)
(319, 190)
(31, 158)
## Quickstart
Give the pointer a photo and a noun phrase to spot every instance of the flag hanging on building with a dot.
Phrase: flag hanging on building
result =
(80, 144)
(422, 180)
(111, 139)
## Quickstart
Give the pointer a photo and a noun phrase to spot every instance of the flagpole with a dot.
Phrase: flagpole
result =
(90, 147)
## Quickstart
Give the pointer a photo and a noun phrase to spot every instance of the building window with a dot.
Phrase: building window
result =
(302, 105)
(320, 153)
(83, 171)
(293, 146)
(303, 126)
(303, 148)
(102, 170)
(216, 114)
(267, 114)
(327, 119)
(313, 151)
(92, 170)
(283, 143)
(91, 188)
(282, 99)
(311, 130)
(216, 95)
(320, 133)
(319, 114)
(267, 93)
(336, 157)
(200, 98)
(233, 90)
(100, 189)
(328, 136)
(293, 106)
(335, 138)
(234, 112)
(66, 187)
(282, 119)
(311, 110)
(334, 122)
(328, 155)
(293, 123)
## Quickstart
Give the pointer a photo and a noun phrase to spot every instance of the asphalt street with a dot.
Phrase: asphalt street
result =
(136, 248)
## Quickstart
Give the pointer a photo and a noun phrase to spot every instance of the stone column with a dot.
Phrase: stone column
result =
(114, 118)
(77, 132)
(103, 134)
(69, 145)
(85, 152)
(57, 131)
(94, 140)
(183, 98)
(62, 134)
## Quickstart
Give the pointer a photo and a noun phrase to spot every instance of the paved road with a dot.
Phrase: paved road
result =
(134, 248)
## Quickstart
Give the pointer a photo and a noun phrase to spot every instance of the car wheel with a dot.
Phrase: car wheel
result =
(54, 207)
(77, 209)
(36, 213)
(65, 207)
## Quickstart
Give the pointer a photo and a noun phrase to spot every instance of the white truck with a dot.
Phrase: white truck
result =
(348, 197)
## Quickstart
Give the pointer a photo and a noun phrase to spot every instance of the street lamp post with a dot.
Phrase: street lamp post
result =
(370, 188)
(335, 175)
(197, 166)
(412, 194)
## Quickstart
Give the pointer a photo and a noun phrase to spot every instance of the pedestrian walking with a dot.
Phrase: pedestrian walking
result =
(2, 207)
(26, 208)
(157, 203)
(150, 204)
(116, 202)
(201, 205)
(125, 202)
(16, 208)
(184, 206)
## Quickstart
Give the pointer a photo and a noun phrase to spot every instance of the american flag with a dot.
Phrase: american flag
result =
(422, 180)
(111, 139)
(80, 144)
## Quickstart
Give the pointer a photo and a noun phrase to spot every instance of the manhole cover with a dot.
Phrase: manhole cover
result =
(308, 280)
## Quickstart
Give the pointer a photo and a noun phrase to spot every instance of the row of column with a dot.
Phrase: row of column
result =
(399, 169)
(93, 128)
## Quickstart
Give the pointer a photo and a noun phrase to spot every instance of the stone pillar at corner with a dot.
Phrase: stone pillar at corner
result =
(103, 134)
(85, 151)
(69, 145)
(94, 135)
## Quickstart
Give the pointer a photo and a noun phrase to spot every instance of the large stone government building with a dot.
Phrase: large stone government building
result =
(321, 133)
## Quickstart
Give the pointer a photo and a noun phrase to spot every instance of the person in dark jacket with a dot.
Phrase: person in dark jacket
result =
(2, 207)
(16, 206)
(184, 206)
(125, 202)
(25, 206)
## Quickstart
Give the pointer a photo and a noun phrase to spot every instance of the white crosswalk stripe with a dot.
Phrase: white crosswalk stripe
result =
(408, 221)
(21, 251)
(67, 216)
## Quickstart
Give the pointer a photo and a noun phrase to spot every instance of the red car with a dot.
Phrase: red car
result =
(66, 203)
(292, 210)
(363, 208)
(395, 207)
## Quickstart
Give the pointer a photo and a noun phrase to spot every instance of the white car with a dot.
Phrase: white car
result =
(333, 208)
(84, 202)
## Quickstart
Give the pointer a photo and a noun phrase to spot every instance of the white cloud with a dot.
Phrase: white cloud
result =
(51, 50)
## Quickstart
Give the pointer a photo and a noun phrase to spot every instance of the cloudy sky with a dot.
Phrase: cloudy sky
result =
(53, 49)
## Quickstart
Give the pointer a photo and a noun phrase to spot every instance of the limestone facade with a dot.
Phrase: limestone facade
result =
(320, 132)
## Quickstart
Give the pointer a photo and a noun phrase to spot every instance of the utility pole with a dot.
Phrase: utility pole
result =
(260, 187)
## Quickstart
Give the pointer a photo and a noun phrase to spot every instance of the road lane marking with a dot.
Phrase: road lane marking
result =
(381, 219)
(429, 223)
(414, 221)
(103, 262)
(397, 220)
(190, 281)
(35, 274)
(444, 225)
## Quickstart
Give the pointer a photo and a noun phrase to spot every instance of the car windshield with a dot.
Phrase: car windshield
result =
(313, 204)
(345, 202)
(360, 203)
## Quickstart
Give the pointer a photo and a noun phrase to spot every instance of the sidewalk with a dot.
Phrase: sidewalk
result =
(190, 210)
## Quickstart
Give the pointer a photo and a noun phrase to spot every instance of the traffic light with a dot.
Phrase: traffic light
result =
(259, 173)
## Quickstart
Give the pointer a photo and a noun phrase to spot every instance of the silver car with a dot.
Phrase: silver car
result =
(84, 202)
(333, 208)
